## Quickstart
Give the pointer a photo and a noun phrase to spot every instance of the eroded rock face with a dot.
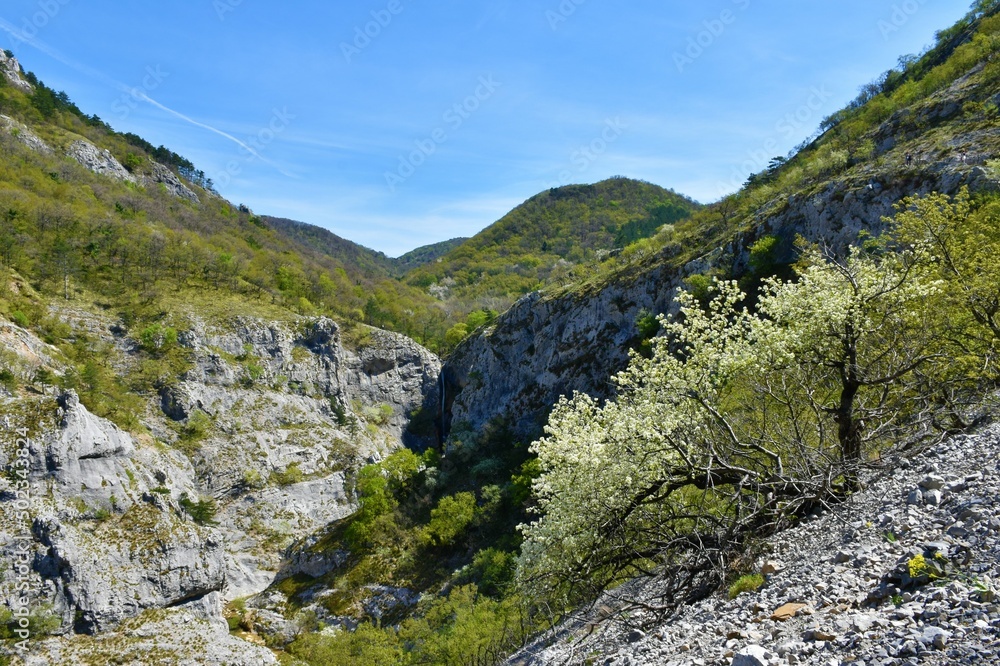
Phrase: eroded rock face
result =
(22, 133)
(101, 162)
(161, 175)
(290, 413)
(11, 68)
(545, 347)
(105, 544)
(143, 559)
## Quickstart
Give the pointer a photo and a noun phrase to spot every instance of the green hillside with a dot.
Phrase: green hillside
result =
(900, 122)
(73, 233)
(543, 239)
(332, 246)
(424, 255)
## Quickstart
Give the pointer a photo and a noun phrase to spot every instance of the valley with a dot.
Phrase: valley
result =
(231, 438)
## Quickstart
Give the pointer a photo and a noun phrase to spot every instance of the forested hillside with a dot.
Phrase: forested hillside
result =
(549, 239)
(783, 371)
(682, 382)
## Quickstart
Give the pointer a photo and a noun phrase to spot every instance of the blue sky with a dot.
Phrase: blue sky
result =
(397, 123)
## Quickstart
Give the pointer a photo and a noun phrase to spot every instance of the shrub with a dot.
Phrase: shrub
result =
(748, 583)
(449, 519)
(196, 428)
(201, 511)
(289, 477)
(20, 319)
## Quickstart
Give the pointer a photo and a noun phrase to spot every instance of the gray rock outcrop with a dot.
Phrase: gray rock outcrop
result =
(11, 69)
(98, 160)
(22, 133)
(161, 175)
(287, 413)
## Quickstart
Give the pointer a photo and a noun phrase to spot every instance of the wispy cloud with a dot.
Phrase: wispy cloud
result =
(121, 87)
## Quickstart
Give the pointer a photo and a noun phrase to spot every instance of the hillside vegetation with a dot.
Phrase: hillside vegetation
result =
(762, 399)
(768, 393)
(73, 233)
(543, 240)
(898, 124)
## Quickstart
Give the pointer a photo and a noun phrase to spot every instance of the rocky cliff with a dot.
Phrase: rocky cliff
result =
(285, 412)
(11, 68)
(558, 342)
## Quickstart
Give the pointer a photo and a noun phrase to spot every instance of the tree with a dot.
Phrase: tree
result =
(737, 421)
(967, 241)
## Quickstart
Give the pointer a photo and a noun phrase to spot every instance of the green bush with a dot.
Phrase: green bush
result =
(201, 511)
(20, 319)
(289, 476)
(156, 339)
(197, 426)
(450, 519)
(748, 583)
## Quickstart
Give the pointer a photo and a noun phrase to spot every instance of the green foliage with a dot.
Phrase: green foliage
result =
(462, 628)
(289, 476)
(201, 511)
(494, 570)
(157, 340)
(479, 318)
(198, 425)
(966, 238)
(449, 519)
(747, 583)
(828, 371)
(20, 319)
(546, 240)
(365, 646)
(648, 324)
(455, 335)
(763, 256)
(379, 488)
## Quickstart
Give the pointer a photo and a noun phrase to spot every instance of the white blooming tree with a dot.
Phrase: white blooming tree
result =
(738, 420)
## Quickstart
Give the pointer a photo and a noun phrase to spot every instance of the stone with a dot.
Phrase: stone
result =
(935, 637)
(932, 482)
(752, 655)
(21, 132)
(100, 161)
(787, 612)
(771, 567)
(161, 175)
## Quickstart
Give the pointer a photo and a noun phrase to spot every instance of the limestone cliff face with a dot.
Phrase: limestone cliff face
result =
(11, 68)
(547, 346)
(286, 411)
(160, 175)
(100, 161)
